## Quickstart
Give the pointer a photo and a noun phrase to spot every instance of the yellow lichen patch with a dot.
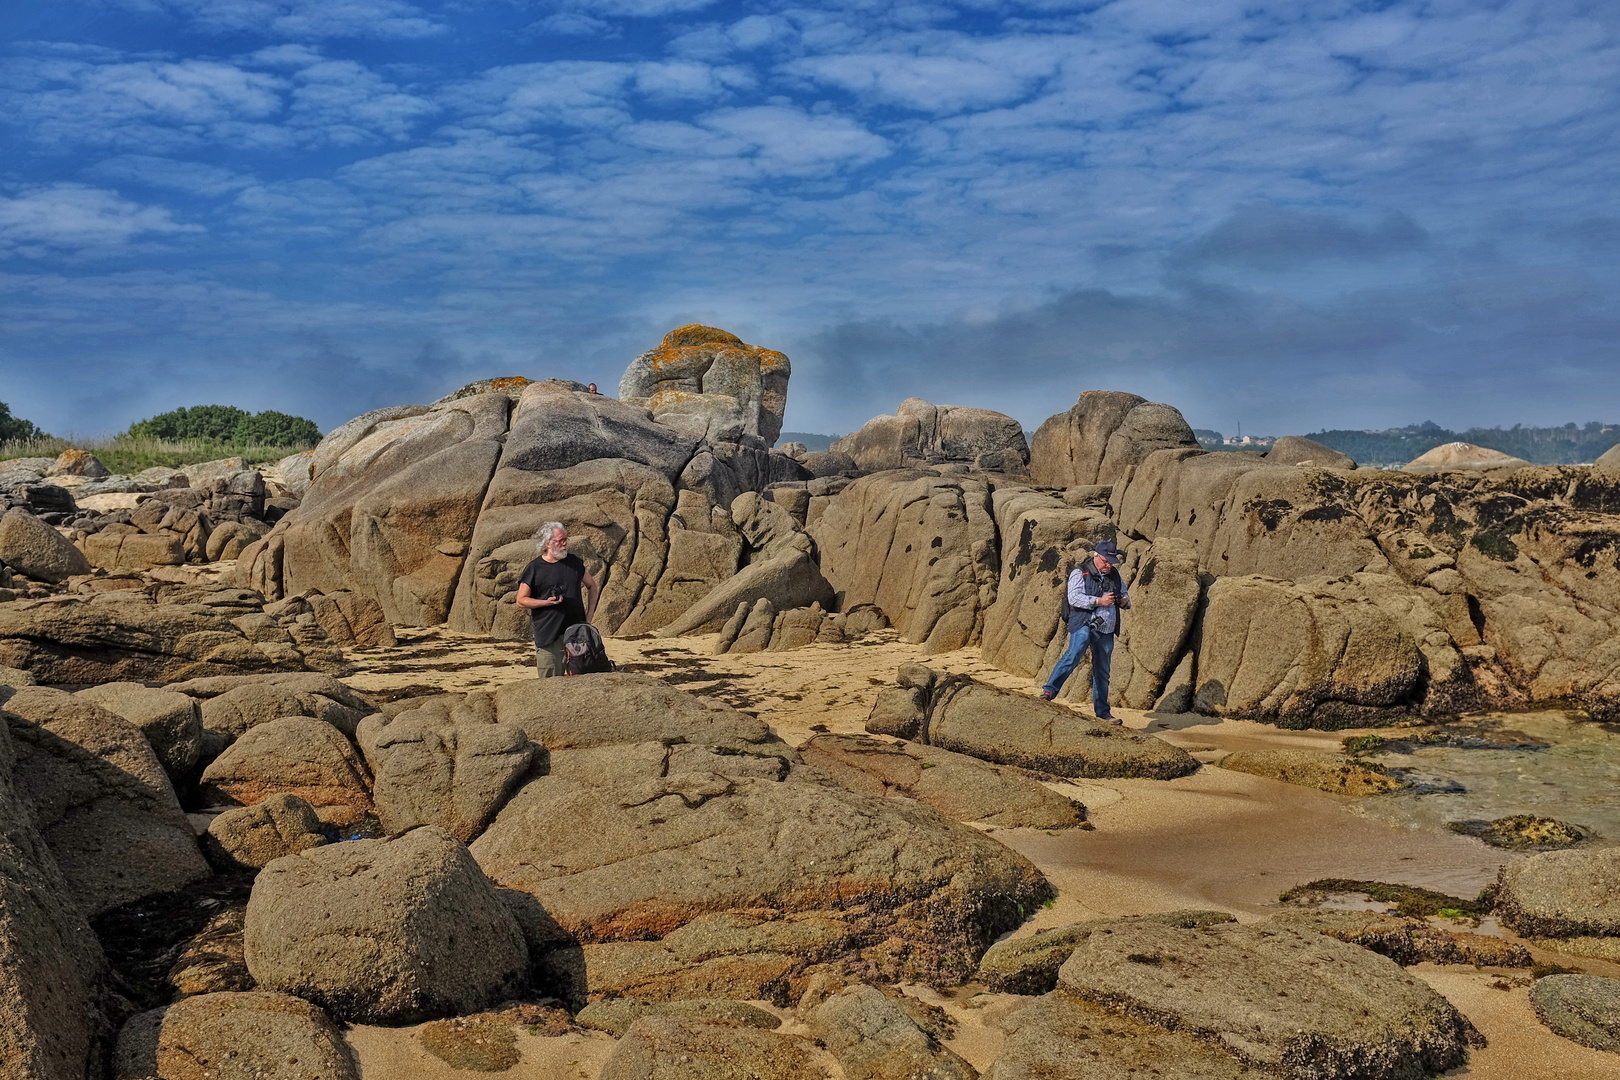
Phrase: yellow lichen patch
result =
(698, 334)
(770, 360)
(73, 463)
(508, 384)
(664, 399)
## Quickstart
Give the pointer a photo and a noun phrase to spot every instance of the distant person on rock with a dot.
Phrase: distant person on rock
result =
(1095, 594)
(550, 587)
(591, 389)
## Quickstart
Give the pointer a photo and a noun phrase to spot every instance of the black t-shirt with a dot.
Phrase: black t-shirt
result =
(565, 576)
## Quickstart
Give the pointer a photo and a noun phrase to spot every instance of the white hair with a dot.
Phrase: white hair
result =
(544, 534)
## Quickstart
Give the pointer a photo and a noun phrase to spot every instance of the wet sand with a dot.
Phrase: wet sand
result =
(1214, 840)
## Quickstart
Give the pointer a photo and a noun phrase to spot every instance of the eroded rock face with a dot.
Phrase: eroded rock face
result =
(100, 799)
(235, 1036)
(132, 636)
(435, 767)
(1101, 436)
(920, 434)
(1301, 656)
(231, 705)
(1242, 988)
(1029, 965)
(51, 964)
(385, 931)
(919, 547)
(1583, 1008)
(623, 842)
(1298, 450)
(171, 722)
(298, 756)
(706, 381)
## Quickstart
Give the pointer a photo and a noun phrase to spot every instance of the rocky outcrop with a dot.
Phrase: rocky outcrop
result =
(231, 704)
(1240, 988)
(615, 1015)
(1562, 894)
(137, 636)
(171, 722)
(1102, 436)
(688, 1048)
(349, 618)
(762, 628)
(51, 965)
(249, 838)
(993, 724)
(1581, 1008)
(1029, 965)
(921, 434)
(444, 766)
(1304, 655)
(1333, 773)
(100, 799)
(919, 547)
(1462, 457)
(296, 756)
(623, 842)
(384, 931)
(707, 382)
(1298, 450)
(874, 1039)
(234, 1036)
(961, 787)
(782, 569)
(31, 547)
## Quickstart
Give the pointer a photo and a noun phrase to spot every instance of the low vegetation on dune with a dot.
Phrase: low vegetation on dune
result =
(174, 439)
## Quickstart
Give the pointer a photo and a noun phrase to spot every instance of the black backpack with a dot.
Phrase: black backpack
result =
(583, 651)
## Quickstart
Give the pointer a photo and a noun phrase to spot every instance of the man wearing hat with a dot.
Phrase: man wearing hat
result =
(1096, 594)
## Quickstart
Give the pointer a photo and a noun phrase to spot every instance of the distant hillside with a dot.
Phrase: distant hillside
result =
(811, 442)
(1567, 445)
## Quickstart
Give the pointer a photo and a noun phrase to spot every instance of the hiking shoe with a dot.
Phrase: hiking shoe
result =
(1116, 721)
(1048, 695)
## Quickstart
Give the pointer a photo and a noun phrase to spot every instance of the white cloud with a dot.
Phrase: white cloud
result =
(192, 177)
(77, 220)
(304, 19)
(984, 74)
(792, 142)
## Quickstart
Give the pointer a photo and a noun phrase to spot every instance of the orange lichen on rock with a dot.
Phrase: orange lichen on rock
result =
(698, 334)
(508, 384)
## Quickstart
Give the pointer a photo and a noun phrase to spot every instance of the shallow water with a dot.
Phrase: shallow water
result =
(1574, 777)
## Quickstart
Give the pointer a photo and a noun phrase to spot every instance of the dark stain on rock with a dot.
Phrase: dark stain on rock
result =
(1145, 578)
(1049, 560)
(1269, 512)
(1495, 545)
(1325, 513)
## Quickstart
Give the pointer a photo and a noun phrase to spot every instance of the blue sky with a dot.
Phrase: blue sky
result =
(1284, 215)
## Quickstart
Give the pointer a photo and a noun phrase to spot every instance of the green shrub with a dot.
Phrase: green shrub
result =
(15, 428)
(271, 428)
(216, 423)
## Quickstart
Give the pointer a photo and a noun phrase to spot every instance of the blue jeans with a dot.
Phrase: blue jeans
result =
(1102, 659)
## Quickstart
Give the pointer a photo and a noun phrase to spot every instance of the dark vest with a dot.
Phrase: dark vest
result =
(1093, 584)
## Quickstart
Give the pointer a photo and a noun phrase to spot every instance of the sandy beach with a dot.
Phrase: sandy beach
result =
(1217, 839)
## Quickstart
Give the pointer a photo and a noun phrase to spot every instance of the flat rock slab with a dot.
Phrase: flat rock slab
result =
(1582, 1008)
(624, 707)
(1408, 941)
(630, 842)
(956, 785)
(1562, 894)
(999, 725)
(1062, 1035)
(682, 1048)
(1333, 773)
(1029, 965)
(1296, 1003)
(615, 1016)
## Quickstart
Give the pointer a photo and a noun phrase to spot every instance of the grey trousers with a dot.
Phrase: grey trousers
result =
(550, 659)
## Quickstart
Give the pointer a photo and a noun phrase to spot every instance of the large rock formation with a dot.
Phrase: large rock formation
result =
(235, 1036)
(154, 636)
(100, 799)
(918, 546)
(384, 931)
(920, 434)
(1462, 457)
(707, 382)
(51, 965)
(31, 547)
(1101, 437)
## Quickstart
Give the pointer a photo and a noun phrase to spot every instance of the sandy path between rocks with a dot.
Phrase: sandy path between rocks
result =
(1217, 840)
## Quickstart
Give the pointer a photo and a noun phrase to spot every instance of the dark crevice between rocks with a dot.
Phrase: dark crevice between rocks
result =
(144, 938)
